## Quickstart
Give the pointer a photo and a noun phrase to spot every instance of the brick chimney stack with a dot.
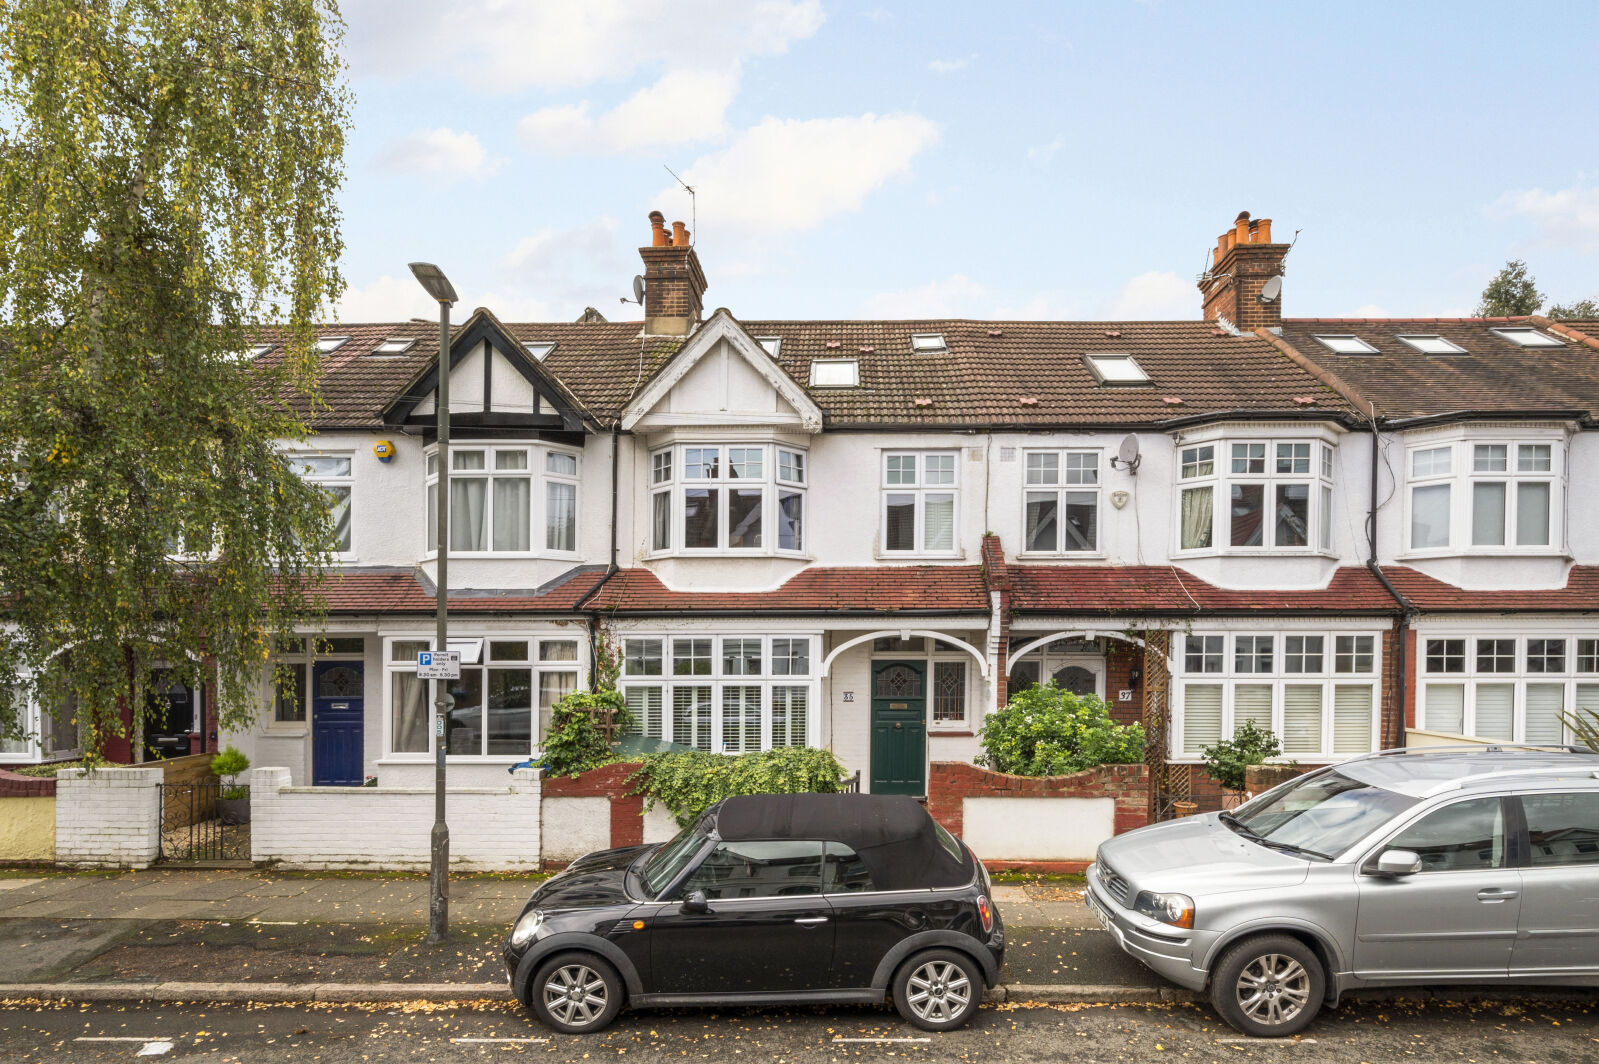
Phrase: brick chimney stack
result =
(674, 284)
(1243, 260)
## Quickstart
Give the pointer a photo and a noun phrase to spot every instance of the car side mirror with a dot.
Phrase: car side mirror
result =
(696, 903)
(1396, 863)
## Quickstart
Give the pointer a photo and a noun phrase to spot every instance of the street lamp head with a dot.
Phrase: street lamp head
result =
(432, 278)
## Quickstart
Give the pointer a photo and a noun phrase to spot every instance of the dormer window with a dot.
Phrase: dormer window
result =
(1345, 344)
(1116, 370)
(1529, 338)
(329, 344)
(727, 499)
(835, 373)
(929, 343)
(539, 350)
(1432, 345)
(394, 345)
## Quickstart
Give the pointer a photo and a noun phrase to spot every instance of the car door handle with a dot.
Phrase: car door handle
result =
(1495, 894)
(810, 920)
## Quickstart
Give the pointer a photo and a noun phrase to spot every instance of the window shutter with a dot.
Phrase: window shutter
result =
(1252, 702)
(1352, 719)
(1302, 718)
(1201, 716)
(1545, 702)
(645, 704)
(938, 513)
(1496, 710)
(1446, 708)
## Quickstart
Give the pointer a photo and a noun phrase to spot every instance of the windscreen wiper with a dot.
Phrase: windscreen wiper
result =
(1239, 826)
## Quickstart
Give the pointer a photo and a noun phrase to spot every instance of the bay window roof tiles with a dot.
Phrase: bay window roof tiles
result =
(886, 589)
(1140, 590)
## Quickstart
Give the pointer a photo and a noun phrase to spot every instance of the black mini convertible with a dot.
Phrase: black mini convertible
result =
(766, 900)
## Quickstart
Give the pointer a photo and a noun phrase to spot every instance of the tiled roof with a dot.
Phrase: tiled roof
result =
(1580, 594)
(1493, 376)
(991, 373)
(884, 589)
(398, 591)
(1164, 589)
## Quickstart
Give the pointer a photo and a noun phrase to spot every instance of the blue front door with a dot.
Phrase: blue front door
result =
(336, 702)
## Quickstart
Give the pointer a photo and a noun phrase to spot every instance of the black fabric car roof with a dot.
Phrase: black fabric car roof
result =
(892, 833)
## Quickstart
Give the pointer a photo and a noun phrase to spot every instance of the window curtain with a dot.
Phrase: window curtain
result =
(560, 518)
(554, 686)
(410, 724)
(512, 501)
(1198, 509)
(466, 514)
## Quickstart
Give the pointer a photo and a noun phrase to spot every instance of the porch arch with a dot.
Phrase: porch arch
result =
(906, 633)
(1082, 633)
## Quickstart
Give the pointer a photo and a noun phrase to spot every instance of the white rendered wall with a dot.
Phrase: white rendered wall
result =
(575, 826)
(491, 829)
(110, 818)
(1037, 829)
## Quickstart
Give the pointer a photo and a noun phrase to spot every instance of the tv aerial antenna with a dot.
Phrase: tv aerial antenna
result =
(693, 208)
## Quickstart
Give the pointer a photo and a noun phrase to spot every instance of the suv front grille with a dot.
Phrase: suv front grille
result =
(1114, 883)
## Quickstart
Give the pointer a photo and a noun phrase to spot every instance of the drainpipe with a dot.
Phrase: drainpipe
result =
(1407, 609)
(610, 570)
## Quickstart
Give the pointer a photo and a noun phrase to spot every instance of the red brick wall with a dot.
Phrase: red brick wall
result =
(609, 781)
(13, 785)
(951, 782)
(1120, 660)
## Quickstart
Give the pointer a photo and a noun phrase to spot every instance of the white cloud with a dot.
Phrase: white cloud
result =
(948, 66)
(1158, 295)
(1043, 153)
(1569, 217)
(443, 155)
(682, 107)
(507, 45)
(385, 299)
(955, 296)
(787, 175)
(1041, 307)
(1371, 310)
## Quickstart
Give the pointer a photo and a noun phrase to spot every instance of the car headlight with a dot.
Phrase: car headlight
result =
(526, 927)
(1174, 909)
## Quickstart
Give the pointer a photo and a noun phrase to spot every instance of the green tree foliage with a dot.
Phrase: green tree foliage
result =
(1048, 731)
(1512, 292)
(689, 783)
(168, 173)
(1582, 308)
(575, 742)
(229, 765)
(1228, 759)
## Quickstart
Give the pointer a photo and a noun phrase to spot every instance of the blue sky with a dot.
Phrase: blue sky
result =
(974, 160)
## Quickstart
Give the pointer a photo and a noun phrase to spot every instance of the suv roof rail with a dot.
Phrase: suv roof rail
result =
(1477, 748)
(1506, 773)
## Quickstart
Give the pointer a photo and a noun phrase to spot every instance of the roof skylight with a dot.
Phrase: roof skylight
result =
(835, 373)
(1345, 345)
(929, 342)
(1116, 369)
(329, 344)
(1529, 338)
(1432, 344)
(260, 349)
(394, 345)
(540, 351)
(772, 344)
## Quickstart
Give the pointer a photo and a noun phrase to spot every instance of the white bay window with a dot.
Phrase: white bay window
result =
(727, 499)
(507, 499)
(1271, 494)
(1486, 496)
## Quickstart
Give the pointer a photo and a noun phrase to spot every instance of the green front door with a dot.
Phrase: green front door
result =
(899, 727)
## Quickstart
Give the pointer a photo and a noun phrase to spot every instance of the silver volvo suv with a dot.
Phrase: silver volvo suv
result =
(1436, 865)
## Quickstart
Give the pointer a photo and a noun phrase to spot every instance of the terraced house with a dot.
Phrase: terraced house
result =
(863, 534)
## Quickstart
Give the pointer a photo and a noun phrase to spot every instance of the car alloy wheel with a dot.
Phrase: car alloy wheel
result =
(1273, 989)
(575, 994)
(938, 990)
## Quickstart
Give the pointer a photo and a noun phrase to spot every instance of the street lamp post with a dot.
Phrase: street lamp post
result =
(438, 286)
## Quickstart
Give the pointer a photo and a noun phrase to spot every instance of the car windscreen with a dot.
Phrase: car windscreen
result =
(667, 862)
(1324, 813)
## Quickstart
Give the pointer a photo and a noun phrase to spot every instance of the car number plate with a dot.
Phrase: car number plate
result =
(1099, 914)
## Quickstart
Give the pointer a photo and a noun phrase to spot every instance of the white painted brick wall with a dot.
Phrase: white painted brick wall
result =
(576, 826)
(491, 828)
(110, 818)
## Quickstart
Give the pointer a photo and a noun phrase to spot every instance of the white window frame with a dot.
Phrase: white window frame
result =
(1463, 477)
(1417, 342)
(484, 638)
(1538, 337)
(1520, 677)
(1062, 487)
(537, 472)
(1229, 677)
(1361, 347)
(1320, 480)
(323, 480)
(719, 680)
(852, 364)
(33, 728)
(302, 660)
(1117, 369)
(774, 488)
(921, 490)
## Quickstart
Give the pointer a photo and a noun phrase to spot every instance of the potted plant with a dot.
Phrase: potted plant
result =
(1229, 759)
(234, 806)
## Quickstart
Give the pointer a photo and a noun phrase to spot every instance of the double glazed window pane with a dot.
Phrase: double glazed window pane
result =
(1202, 653)
(741, 657)
(560, 516)
(510, 711)
(1248, 524)
(744, 518)
(691, 716)
(790, 715)
(790, 521)
(1082, 521)
(741, 719)
(463, 728)
(661, 521)
(701, 516)
(940, 521)
(744, 463)
(1429, 516)
(1197, 517)
(1042, 526)
(1043, 469)
(467, 514)
(1532, 514)
(900, 522)
(512, 501)
(409, 725)
(339, 513)
(1293, 515)
(1488, 500)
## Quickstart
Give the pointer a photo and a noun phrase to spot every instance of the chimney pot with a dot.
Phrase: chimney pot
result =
(658, 229)
(679, 235)
(1241, 228)
(1243, 261)
(1264, 229)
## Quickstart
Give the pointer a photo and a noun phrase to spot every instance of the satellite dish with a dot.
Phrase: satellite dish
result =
(638, 289)
(1271, 290)
(1127, 455)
